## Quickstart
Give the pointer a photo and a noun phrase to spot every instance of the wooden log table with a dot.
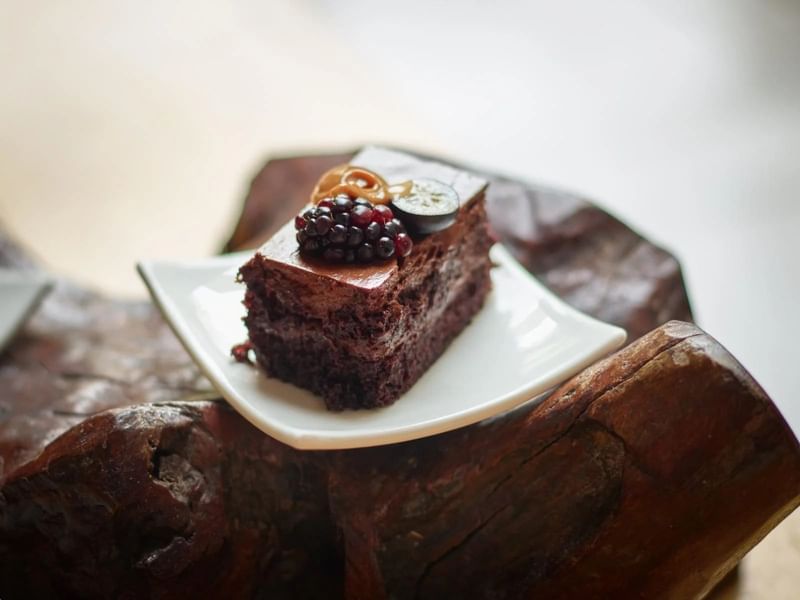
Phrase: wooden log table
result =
(649, 475)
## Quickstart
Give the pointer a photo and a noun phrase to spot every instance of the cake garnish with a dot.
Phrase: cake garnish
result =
(344, 230)
(241, 352)
(426, 206)
(351, 181)
(356, 216)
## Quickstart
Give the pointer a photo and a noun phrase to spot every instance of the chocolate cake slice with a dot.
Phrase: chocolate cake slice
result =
(361, 333)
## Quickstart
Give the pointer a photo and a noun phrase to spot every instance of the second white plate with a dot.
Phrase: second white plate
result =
(523, 342)
(20, 294)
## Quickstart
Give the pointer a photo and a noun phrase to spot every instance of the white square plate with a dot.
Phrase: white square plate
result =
(20, 293)
(523, 342)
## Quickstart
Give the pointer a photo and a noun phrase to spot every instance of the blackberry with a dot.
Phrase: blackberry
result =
(323, 225)
(345, 230)
(311, 245)
(399, 224)
(342, 204)
(391, 229)
(372, 232)
(355, 235)
(342, 218)
(382, 214)
(384, 247)
(361, 215)
(365, 252)
(338, 234)
(403, 245)
(333, 254)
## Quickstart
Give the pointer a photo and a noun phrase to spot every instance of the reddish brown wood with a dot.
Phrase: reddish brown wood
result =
(648, 475)
(167, 500)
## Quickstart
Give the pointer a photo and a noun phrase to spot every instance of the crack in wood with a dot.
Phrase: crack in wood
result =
(450, 551)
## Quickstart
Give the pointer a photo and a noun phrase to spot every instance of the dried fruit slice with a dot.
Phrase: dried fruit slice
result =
(428, 206)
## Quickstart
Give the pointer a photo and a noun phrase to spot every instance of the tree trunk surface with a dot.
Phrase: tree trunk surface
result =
(648, 475)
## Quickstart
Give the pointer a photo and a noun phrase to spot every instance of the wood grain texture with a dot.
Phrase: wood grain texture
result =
(598, 492)
(648, 475)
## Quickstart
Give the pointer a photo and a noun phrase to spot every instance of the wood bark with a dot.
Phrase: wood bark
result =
(648, 475)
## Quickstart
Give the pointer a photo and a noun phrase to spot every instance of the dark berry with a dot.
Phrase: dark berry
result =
(342, 204)
(354, 237)
(311, 245)
(241, 352)
(403, 245)
(365, 252)
(332, 254)
(399, 224)
(384, 248)
(391, 229)
(338, 234)
(382, 214)
(342, 218)
(361, 215)
(372, 232)
(345, 229)
(323, 224)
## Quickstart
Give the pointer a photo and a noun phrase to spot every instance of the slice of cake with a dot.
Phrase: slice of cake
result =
(357, 297)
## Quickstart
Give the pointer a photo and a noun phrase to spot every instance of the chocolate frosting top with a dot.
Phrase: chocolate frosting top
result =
(282, 248)
(394, 167)
(397, 167)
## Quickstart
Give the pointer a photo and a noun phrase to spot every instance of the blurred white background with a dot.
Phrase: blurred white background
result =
(130, 129)
(680, 117)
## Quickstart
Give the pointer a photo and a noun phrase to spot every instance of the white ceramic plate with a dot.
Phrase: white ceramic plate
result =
(522, 343)
(20, 293)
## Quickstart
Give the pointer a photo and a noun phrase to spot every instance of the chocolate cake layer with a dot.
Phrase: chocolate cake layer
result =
(361, 335)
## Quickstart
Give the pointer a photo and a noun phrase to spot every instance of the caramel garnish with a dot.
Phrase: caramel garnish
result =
(401, 189)
(357, 182)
